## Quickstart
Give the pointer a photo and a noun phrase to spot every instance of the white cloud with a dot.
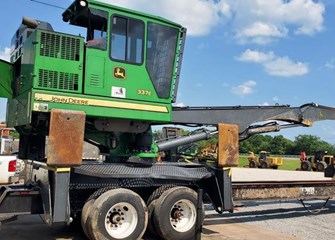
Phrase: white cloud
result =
(274, 65)
(285, 67)
(264, 104)
(198, 16)
(330, 64)
(255, 56)
(260, 33)
(263, 21)
(245, 88)
(179, 105)
(255, 21)
(5, 54)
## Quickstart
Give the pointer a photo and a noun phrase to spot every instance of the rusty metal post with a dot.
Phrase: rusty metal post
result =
(66, 138)
(228, 148)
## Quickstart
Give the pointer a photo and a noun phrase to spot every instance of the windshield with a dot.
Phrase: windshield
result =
(161, 50)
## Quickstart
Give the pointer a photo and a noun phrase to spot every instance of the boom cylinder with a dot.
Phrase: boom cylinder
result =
(172, 143)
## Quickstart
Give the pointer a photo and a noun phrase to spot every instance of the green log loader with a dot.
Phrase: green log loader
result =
(109, 89)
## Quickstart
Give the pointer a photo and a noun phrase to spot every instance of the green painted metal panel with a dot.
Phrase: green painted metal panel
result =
(19, 110)
(52, 61)
(6, 79)
(95, 81)
(136, 85)
(26, 79)
(59, 71)
(101, 107)
(58, 62)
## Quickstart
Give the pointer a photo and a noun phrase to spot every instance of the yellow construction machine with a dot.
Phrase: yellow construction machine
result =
(319, 162)
(264, 160)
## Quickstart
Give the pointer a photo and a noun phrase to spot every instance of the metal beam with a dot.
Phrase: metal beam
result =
(246, 117)
(256, 191)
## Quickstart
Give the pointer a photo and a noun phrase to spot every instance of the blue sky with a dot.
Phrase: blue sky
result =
(238, 52)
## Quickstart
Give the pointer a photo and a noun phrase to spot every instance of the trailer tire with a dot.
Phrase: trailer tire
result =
(175, 214)
(321, 166)
(151, 203)
(84, 216)
(150, 228)
(253, 164)
(118, 214)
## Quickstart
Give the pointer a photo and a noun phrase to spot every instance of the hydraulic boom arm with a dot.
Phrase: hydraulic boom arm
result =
(246, 117)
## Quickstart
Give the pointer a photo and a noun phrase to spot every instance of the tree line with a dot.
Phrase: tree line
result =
(283, 146)
(274, 144)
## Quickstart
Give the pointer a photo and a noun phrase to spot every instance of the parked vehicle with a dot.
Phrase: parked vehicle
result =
(60, 87)
(264, 160)
(319, 162)
(8, 160)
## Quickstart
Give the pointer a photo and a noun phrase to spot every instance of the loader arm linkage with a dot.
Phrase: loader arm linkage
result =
(247, 117)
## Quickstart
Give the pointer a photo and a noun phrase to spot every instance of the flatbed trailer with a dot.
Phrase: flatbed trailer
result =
(283, 190)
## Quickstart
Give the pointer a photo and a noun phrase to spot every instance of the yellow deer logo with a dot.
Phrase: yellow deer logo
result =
(120, 73)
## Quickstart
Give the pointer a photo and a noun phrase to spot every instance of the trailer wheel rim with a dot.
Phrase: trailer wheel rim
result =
(183, 215)
(121, 220)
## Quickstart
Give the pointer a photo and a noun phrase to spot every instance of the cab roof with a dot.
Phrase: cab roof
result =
(94, 3)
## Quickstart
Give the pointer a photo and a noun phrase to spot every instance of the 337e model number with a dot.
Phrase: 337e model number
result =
(143, 92)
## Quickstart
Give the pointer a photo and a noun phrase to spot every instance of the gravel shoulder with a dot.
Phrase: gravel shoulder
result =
(286, 220)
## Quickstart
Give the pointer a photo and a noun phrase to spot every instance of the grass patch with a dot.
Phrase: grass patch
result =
(288, 163)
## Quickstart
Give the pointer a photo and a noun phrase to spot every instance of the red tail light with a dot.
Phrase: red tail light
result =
(12, 166)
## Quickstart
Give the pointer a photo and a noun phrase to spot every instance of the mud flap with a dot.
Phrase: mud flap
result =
(6, 79)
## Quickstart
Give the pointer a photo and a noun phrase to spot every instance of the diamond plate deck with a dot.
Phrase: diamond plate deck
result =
(157, 171)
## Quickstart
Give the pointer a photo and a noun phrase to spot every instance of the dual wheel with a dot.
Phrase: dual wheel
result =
(122, 214)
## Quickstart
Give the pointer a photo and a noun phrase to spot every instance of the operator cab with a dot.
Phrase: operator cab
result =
(129, 55)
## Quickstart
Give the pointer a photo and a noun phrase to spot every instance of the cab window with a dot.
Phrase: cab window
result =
(127, 36)
(97, 29)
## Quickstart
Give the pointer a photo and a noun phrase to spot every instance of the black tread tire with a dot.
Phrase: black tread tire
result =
(264, 164)
(84, 216)
(252, 164)
(151, 231)
(162, 213)
(151, 203)
(158, 192)
(306, 166)
(275, 167)
(321, 166)
(102, 205)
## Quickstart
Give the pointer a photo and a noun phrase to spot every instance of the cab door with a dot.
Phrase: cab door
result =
(96, 54)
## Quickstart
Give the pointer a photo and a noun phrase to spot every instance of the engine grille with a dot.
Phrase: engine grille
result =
(57, 46)
(57, 80)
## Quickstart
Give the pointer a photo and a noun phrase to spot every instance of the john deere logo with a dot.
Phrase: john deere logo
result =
(120, 73)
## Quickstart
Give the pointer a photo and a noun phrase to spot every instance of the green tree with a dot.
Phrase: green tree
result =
(246, 146)
(311, 144)
(280, 145)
